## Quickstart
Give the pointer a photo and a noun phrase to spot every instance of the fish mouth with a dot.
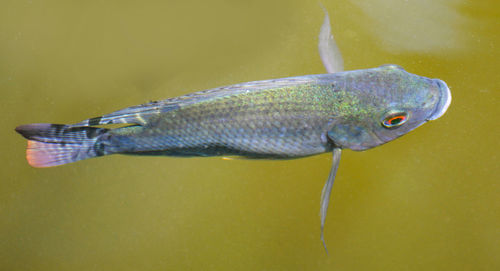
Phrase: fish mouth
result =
(444, 100)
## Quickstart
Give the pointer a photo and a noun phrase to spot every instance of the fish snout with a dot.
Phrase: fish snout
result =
(444, 99)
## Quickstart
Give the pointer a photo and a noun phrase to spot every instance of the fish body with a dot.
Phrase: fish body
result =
(280, 118)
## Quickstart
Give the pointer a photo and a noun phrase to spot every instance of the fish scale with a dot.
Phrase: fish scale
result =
(229, 122)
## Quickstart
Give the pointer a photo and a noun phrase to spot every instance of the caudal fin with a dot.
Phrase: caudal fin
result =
(56, 144)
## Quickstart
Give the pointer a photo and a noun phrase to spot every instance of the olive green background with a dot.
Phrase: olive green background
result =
(427, 201)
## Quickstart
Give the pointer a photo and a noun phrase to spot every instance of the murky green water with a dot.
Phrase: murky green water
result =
(427, 201)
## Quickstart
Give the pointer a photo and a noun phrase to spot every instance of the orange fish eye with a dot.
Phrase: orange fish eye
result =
(395, 120)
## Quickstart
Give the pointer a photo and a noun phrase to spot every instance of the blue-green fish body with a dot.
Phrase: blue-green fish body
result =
(280, 118)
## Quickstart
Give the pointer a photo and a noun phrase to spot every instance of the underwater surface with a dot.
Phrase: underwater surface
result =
(427, 201)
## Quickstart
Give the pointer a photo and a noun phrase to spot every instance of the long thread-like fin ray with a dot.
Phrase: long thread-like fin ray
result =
(327, 190)
(328, 49)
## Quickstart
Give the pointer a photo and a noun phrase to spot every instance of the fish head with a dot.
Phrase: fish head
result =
(386, 103)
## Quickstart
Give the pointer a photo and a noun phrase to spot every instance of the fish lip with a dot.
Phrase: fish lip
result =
(444, 100)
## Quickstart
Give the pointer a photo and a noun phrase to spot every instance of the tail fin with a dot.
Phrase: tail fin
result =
(56, 144)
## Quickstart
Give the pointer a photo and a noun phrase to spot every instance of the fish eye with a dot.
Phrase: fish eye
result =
(394, 119)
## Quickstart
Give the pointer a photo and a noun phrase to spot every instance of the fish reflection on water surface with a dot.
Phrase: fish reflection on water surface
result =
(272, 119)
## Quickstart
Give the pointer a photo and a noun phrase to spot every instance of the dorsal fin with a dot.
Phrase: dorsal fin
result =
(140, 114)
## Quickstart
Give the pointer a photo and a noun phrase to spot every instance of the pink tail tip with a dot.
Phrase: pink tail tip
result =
(41, 154)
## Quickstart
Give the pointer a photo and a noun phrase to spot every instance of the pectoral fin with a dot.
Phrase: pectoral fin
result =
(327, 190)
(328, 49)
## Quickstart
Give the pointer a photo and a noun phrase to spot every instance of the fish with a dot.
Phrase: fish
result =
(283, 118)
